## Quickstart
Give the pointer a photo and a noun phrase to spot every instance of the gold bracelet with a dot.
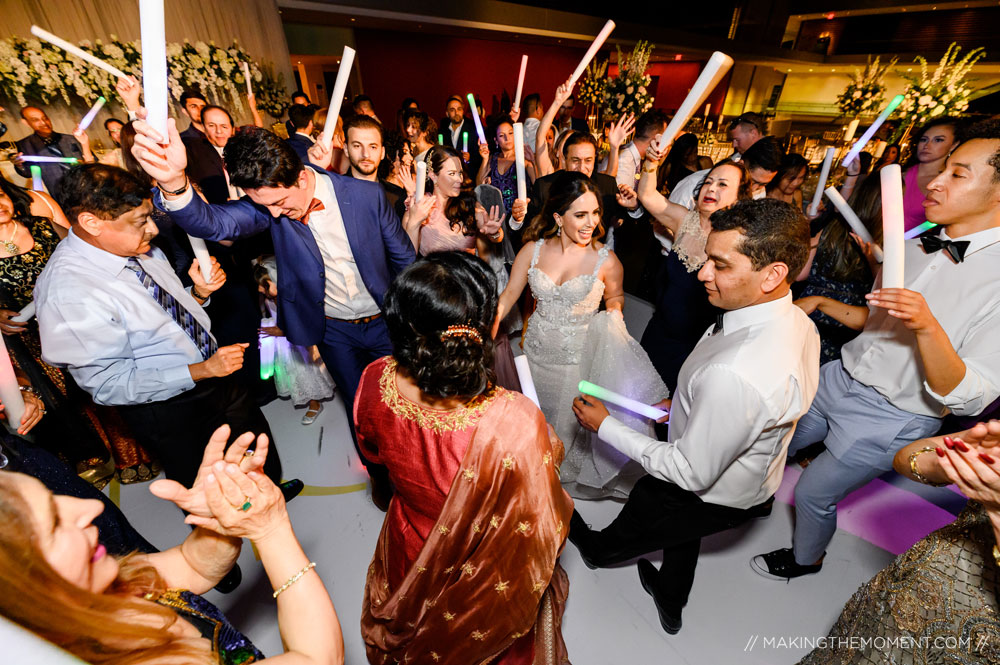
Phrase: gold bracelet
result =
(652, 170)
(293, 579)
(919, 476)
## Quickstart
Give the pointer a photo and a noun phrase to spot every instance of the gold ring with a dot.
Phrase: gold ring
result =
(245, 506)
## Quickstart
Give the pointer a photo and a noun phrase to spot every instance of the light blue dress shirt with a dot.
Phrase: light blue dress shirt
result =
(96, 320)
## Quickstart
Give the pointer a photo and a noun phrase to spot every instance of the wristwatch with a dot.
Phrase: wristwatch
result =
(179, 191)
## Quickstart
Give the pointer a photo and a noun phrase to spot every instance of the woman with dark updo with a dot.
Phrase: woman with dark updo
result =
(465, 569)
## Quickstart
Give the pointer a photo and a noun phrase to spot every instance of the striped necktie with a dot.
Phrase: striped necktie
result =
(201, 337)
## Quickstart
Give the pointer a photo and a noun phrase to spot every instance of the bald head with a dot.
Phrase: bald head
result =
(36, 119)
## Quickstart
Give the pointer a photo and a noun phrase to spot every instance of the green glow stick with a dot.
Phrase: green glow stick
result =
(635, 406)
(870, 132)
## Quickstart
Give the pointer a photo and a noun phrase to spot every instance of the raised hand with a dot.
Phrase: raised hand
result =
(519, 209)
(484, 150)
(218, 277)
(129, 89)
(320, 155)
(489, 222)
(563, 92)
(626, 197)
(164, 158)
(621, 129)
(515, 114)
(193, 499)
(653, 154)
(241, 505)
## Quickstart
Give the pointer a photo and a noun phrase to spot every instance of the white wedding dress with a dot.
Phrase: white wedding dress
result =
(568, 340)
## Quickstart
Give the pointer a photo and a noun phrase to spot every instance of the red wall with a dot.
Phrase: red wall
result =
(432, 68)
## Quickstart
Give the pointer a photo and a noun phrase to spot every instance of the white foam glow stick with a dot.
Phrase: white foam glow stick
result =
(824, 175)
(91, 114)
(852, 129)
(598, 42)
(714, 70)
(421, 181)
(337, 96)
(520, 82)
(42, 159)
(26, 313)
(635, 406)
(204, 260)
(47, 36)
(36, 178)
(853, 221)
(870, 132)
(524, 378)
(155, 91)
(892, 226)
(522, 183)
(475, 118)
(246, 75)
(10, 391)
(880, 147)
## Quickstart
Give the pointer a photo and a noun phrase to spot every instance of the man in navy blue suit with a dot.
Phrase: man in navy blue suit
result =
(338, 245)
(301, 118)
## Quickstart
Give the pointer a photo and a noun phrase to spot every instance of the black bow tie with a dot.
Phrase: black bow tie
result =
(955, 248)
(717, 328)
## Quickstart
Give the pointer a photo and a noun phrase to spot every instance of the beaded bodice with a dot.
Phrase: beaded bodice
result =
(558, 328)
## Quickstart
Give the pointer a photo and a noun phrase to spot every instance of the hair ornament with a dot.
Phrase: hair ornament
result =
(462, 331)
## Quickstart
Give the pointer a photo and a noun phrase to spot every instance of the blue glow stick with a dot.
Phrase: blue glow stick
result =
(917, 230)
(635, 406)
(49, 160)
(870, 132)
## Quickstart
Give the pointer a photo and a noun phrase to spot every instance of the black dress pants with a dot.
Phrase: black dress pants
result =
(660, 516)
(177, 430)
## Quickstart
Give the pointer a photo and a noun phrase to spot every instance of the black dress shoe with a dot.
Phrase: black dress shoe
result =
(578, 532)
(761, 509)
(647, 575)
(291, 488)
(781, 565)
(232, 580)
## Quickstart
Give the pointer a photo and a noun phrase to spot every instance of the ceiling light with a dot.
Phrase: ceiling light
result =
(810, 70)
(677, 57)
(830, 15)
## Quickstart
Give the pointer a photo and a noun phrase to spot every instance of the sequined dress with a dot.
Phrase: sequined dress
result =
(936, 603)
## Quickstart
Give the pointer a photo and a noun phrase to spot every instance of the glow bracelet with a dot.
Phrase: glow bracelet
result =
(870, 132)
(635, 406)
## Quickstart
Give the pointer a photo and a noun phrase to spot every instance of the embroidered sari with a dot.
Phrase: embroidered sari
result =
(465, 570)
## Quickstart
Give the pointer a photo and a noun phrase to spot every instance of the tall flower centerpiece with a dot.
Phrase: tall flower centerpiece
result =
(37, 71)
(945, 91)
(629, 91)
(593, 91)
(864, 94)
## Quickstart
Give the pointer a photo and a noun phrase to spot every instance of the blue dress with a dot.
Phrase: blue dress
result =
(231, 646)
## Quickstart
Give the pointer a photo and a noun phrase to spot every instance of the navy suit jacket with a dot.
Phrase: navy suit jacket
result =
(52, 173)
(380, 246)
(300, 145)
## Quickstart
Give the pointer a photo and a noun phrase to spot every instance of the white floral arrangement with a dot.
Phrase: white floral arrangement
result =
(35, 70)
(864, 93)
(945, 92)
(629, 91)
(593, 90)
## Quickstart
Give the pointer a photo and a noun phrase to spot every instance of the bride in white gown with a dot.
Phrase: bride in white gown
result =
(567, 340)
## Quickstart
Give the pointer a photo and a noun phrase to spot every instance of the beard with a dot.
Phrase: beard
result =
(364, 170)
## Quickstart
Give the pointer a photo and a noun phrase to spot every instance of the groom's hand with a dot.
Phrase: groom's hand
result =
(590, 412)
(164, 158)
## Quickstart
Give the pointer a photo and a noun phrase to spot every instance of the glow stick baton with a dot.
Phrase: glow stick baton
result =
(49, 160)
(475, 118)
(520, 82)
(440, 139)
(10, 391)
(204, 260)
(522, 183)
(852, 129)
(421, 181)
(880, 147)
(26, 313)
(91, 114)
(246, 75)
(892, 226)
(266, 357)
(599, 40)
(635, 406)
(824, 175)
(36, 178)
(853, 221)
(524, 378)
(465, 141)
(870, 132)
(337, 96)
(154, 64)
(917, 230)
(47, 36)
(714, 70)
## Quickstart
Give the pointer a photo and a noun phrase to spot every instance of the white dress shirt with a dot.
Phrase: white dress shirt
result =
(456, 135)
(346, 296)
(531, 132)
(96, 319)
(965, 300)
(235, 193)
(739, 395)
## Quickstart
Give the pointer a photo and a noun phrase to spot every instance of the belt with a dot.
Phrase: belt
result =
(363, 319)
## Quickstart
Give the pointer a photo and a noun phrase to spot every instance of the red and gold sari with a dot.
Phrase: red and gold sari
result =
(466, 567)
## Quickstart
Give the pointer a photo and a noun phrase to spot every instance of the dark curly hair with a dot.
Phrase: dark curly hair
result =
(107, 192)
(773, 232)
(437, 291)
(566, 188)
(257, 158)
(461, 209)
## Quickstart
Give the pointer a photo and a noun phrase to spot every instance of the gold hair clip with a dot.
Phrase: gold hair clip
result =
(462, 331)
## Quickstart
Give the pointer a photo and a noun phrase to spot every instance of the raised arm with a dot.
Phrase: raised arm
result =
(663, 211)
(543, 165)
(252, 102)
(518, 280)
